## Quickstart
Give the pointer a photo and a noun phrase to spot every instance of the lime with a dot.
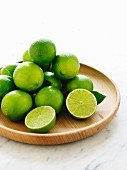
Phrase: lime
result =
(79, 81)
(16, 104)
(50, 96)
(9, 69)
(66, 66)
(41, 119)
(42, 51)
(50, 79)
(28, 76)
(6, 85)
(81, 103)
(26, 56)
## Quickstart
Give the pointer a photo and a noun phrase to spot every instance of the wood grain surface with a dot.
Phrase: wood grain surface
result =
(68, 129)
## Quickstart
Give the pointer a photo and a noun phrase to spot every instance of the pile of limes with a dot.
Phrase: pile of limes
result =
(36, 89)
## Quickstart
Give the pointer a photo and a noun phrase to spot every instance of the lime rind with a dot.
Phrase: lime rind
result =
(79, 82)
(42, 51)
(28, 76)
(41, 119)
(81, 103)
(9, 69)
(16, 104)
(50, 96)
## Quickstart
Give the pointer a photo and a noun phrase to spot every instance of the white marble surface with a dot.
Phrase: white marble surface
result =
(96, 31)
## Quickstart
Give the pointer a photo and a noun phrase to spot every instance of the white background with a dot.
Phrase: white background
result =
(90, 29)
(95, 31)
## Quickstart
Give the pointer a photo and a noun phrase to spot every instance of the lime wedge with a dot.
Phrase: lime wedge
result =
(81, 103)
(41, 119)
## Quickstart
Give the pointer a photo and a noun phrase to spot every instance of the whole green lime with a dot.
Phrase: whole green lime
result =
(66, 66)
(6, 85)
(26, 56)
(16, 104)
(50, 96)
(9, 69)
(79, 81)
(42, 51)
(28, 76)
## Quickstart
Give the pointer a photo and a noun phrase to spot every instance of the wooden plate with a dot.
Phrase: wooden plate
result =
(68, 129)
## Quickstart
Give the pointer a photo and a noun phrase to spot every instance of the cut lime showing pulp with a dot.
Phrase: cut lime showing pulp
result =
(41, 119)
(81, 103)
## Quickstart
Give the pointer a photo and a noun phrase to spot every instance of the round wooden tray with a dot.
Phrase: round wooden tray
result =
(68, 129)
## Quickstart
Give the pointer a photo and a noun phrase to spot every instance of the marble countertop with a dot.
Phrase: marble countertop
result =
(97, 34)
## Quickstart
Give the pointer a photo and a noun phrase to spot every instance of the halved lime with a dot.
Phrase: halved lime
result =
(41, 119)
(81, 103)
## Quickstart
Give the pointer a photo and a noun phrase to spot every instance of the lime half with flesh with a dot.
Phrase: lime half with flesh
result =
(81, 103)
(41, 119)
